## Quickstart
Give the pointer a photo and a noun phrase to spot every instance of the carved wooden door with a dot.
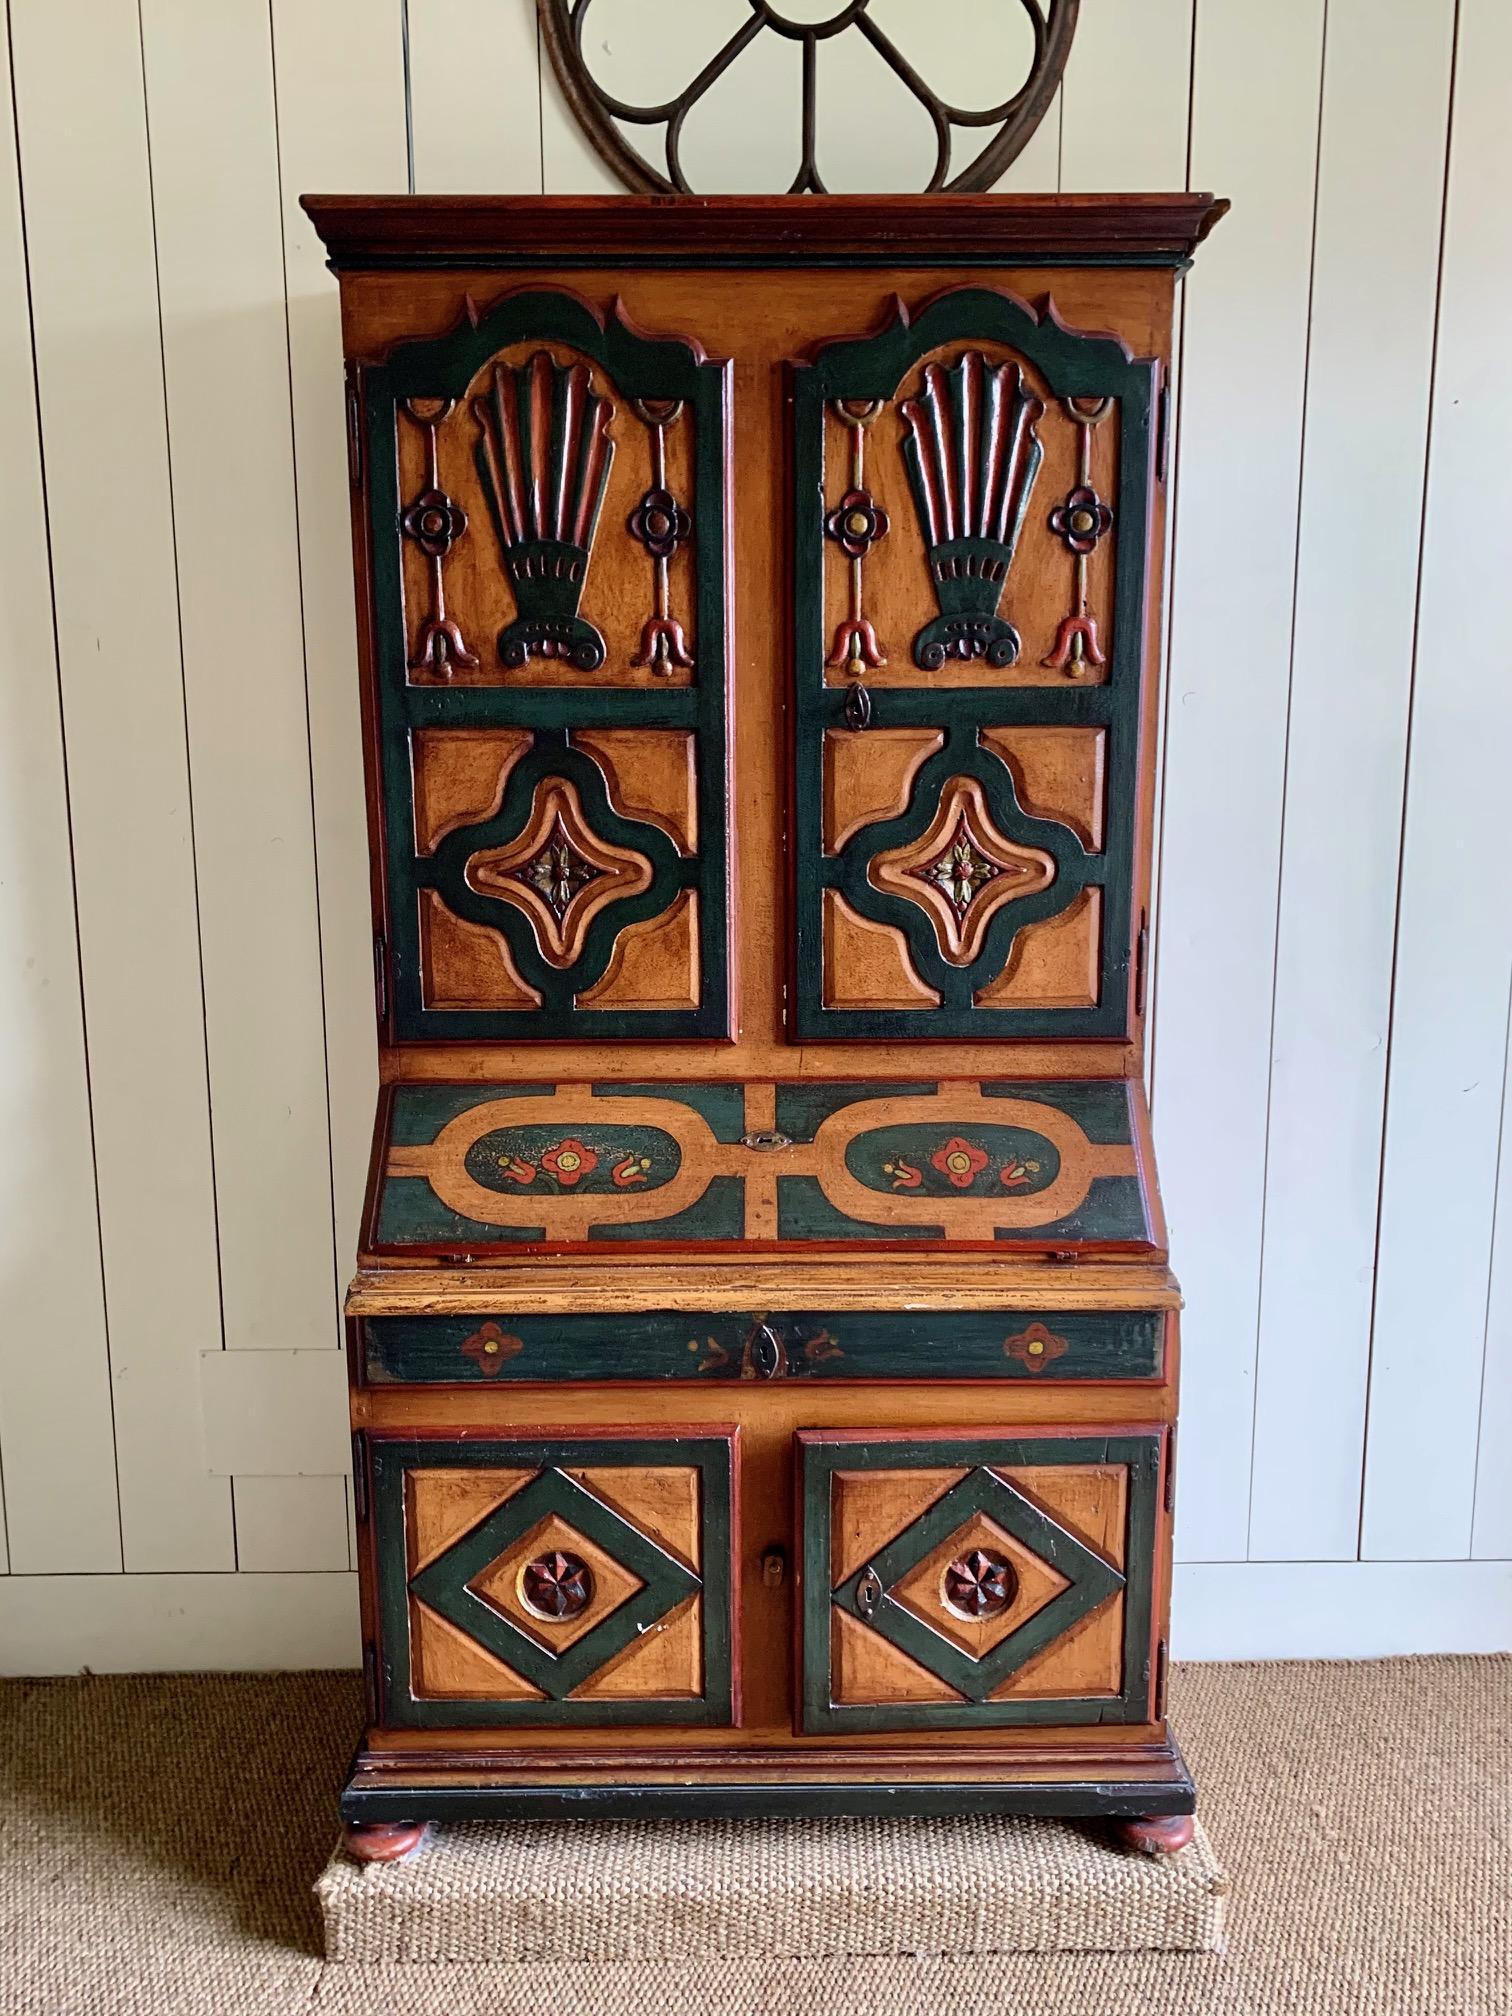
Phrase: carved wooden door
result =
(973, 513)
(977, 1580)
(556, 1581)
(548, 623)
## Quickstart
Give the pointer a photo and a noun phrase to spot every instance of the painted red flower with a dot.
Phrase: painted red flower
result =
(570, 1161)
(959, 1162)
(634, 1169)
(491, 1348)
(1035, 1347)
(516, 1170)
(905, 1176)
(1015, 1174)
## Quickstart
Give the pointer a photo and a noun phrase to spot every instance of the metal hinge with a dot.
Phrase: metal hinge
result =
(1170, 1476)
(1141, 960)
(1161, 1663)
(354, 431)
(359, 1482)
(1163, 430)
(380, 975)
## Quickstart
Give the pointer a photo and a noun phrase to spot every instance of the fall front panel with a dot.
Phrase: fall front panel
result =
(1049, 1165)
(970, 1581)
(973, 506)
(583, 1581)
(547, 531)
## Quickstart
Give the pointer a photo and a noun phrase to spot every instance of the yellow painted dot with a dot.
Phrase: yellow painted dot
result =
(1036, 1348)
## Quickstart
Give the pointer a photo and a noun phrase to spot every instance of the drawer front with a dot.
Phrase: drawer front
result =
(555, 1581)
(970, 1581)
(1046, 1345)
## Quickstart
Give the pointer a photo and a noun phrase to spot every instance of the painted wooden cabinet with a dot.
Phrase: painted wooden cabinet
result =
(763, 1344)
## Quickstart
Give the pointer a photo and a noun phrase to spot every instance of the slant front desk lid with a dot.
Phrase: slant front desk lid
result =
(1054, 1167)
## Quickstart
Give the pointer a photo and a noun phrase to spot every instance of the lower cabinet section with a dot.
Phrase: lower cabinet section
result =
(583, 1580)
(960, 1581)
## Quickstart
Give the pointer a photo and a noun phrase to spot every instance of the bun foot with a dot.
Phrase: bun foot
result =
(1157, 1834)
(382, 1841)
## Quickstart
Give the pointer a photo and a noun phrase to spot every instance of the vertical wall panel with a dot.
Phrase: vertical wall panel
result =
(1491, 1534)
(339, 75)
(1254, 124)
(475, 97)
(1454, 944)
(1126, 114)
(56, 1435)
(1380, 198)
(220, 268)
(89, 222)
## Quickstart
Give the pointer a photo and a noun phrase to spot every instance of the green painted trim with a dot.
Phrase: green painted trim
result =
(873, 368)
(1080, 1799)
(419, 1112)
(721, 1105)
(803, 1107)
(718, 1214)
(709, 1346)
(640, 366)
(401, 1708)
(411, 1214)
(820, 1714)
(807, 1217)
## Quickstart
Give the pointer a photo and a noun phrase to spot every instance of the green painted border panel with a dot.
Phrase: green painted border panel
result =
(391, 1458)
(820, 1460)
(712, 1346)
(640, 366)
(873, 367)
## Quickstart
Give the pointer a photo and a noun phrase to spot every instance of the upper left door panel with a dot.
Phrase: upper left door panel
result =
(546, 491)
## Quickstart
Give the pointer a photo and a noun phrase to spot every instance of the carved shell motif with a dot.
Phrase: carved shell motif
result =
(972, 455)
(544, 457)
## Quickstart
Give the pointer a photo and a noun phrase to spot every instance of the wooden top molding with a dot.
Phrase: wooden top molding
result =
(992, 230)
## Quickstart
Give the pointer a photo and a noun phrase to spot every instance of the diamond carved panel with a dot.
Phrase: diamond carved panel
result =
(962, 870)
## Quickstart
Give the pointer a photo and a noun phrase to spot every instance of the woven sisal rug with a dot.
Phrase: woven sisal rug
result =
(774, 1889)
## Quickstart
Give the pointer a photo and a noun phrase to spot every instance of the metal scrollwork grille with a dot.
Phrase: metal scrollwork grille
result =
(1053, 23)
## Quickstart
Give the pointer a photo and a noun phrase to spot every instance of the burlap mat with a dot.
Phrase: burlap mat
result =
(769, 1889)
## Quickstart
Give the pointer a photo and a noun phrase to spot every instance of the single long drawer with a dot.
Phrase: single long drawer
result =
(1044, 1344)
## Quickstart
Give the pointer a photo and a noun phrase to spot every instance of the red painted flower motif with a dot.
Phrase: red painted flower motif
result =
(1015, 1174)
(1035, 1347)
(516, 1170)
(491, 1348)
(1075, 646)
(569, 1162)
(904, 1174)
(856, 647)
(959, 1162)
(632, 1170)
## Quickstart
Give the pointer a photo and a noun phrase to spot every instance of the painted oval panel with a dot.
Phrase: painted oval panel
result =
(573, 1161)
(937, 1160)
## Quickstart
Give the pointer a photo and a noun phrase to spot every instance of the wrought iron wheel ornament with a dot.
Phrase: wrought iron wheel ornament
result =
(1015, 118)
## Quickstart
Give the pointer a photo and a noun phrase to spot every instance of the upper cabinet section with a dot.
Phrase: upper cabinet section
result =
(546, 520)
(974, 491)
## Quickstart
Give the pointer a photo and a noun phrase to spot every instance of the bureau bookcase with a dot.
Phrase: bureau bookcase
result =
(763, 1346)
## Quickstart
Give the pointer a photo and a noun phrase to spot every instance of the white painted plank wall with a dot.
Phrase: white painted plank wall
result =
(185, 1011)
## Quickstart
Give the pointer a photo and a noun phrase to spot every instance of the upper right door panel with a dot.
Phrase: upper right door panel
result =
(975, 492)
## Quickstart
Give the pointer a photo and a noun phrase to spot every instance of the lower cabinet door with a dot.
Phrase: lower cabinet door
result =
(976, 1580)
(555, 1581)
